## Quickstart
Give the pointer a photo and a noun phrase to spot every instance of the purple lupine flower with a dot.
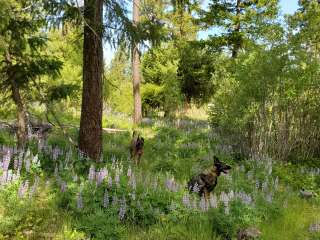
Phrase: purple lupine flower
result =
(315, 227)
(224, 197)
(133, 196)
(270, 169)
(6, 160)
(47, 183)
(246, 198)
(114, 200)
(132, 182)
(34, 187)
(186, 200)
(117, 180)
(257, 184)
(92, 173)
(110, 181)
(173, 186)
(113, 160)
(3, 180)
(15, 163)
(122, 210)
(195, 188)
(231, 195)
(129, 173)
(264, 186)
(56, 171)
(79, 200)
(75, 178)
(276, 183)
(20, 161)
(28, 164)
(100, 175)
(23, 189)
(63, 186)
(35, 159)
(16, 176)
(105, 199)
(11, 176)
(120, 170)
(226, 209)
(40, 144)
(249, 175)
(203, 204)
(81, 155)
(55, 153)
(269, 197)
(213, 201)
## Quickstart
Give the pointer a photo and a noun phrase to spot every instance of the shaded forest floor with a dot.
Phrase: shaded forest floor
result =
(59, 195)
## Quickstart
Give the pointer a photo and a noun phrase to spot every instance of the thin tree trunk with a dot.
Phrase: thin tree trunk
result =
(21, 115)
(237, 44)
(21, 109)
(136, 77)
(90, 135)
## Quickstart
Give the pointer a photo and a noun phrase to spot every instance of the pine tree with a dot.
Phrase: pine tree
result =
(23, 62)
(90, 135)
(240, 21)
(136, 75)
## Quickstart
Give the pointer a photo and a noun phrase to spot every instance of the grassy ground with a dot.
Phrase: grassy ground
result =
(173, 150)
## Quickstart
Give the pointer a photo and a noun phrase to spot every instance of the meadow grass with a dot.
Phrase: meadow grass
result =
(173, 150)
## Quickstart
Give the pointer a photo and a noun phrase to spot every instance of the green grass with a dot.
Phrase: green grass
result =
(295, 222)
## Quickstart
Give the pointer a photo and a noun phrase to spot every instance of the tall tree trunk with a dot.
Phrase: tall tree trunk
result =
(90, 135)
(136, 78)
(21, 109)
(238, 41)
(21, 115)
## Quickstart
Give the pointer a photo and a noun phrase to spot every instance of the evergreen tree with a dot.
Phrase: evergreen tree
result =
(240, 21)
(136, 76)
(22, 60)
(90, 135)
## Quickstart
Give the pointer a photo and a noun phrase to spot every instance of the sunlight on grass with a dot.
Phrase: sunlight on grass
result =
(295, 222)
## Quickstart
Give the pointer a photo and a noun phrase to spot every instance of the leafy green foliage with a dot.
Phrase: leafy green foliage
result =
(196, 67)
(117, 84)
(241, 22)
(159, 69)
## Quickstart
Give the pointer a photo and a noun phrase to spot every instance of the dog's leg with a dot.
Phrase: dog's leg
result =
(131, 153)
(138, 159)
(206, 195)
(135, 159)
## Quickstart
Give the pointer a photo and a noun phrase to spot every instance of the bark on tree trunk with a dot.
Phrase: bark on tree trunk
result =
(21, 115)
(237, 44)
(90, 135)
(136, 78)
(21, 109)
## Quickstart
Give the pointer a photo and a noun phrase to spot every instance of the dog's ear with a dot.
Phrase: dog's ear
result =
(216, 159)
(134, 133)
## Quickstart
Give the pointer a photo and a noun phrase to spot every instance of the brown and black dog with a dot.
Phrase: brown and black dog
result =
(136, 147)
(205, 182)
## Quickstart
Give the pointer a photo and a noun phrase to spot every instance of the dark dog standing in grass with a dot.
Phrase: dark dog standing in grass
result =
(136, 147)
(205, 182)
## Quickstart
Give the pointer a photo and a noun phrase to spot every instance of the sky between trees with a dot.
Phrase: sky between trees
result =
(287, 7)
